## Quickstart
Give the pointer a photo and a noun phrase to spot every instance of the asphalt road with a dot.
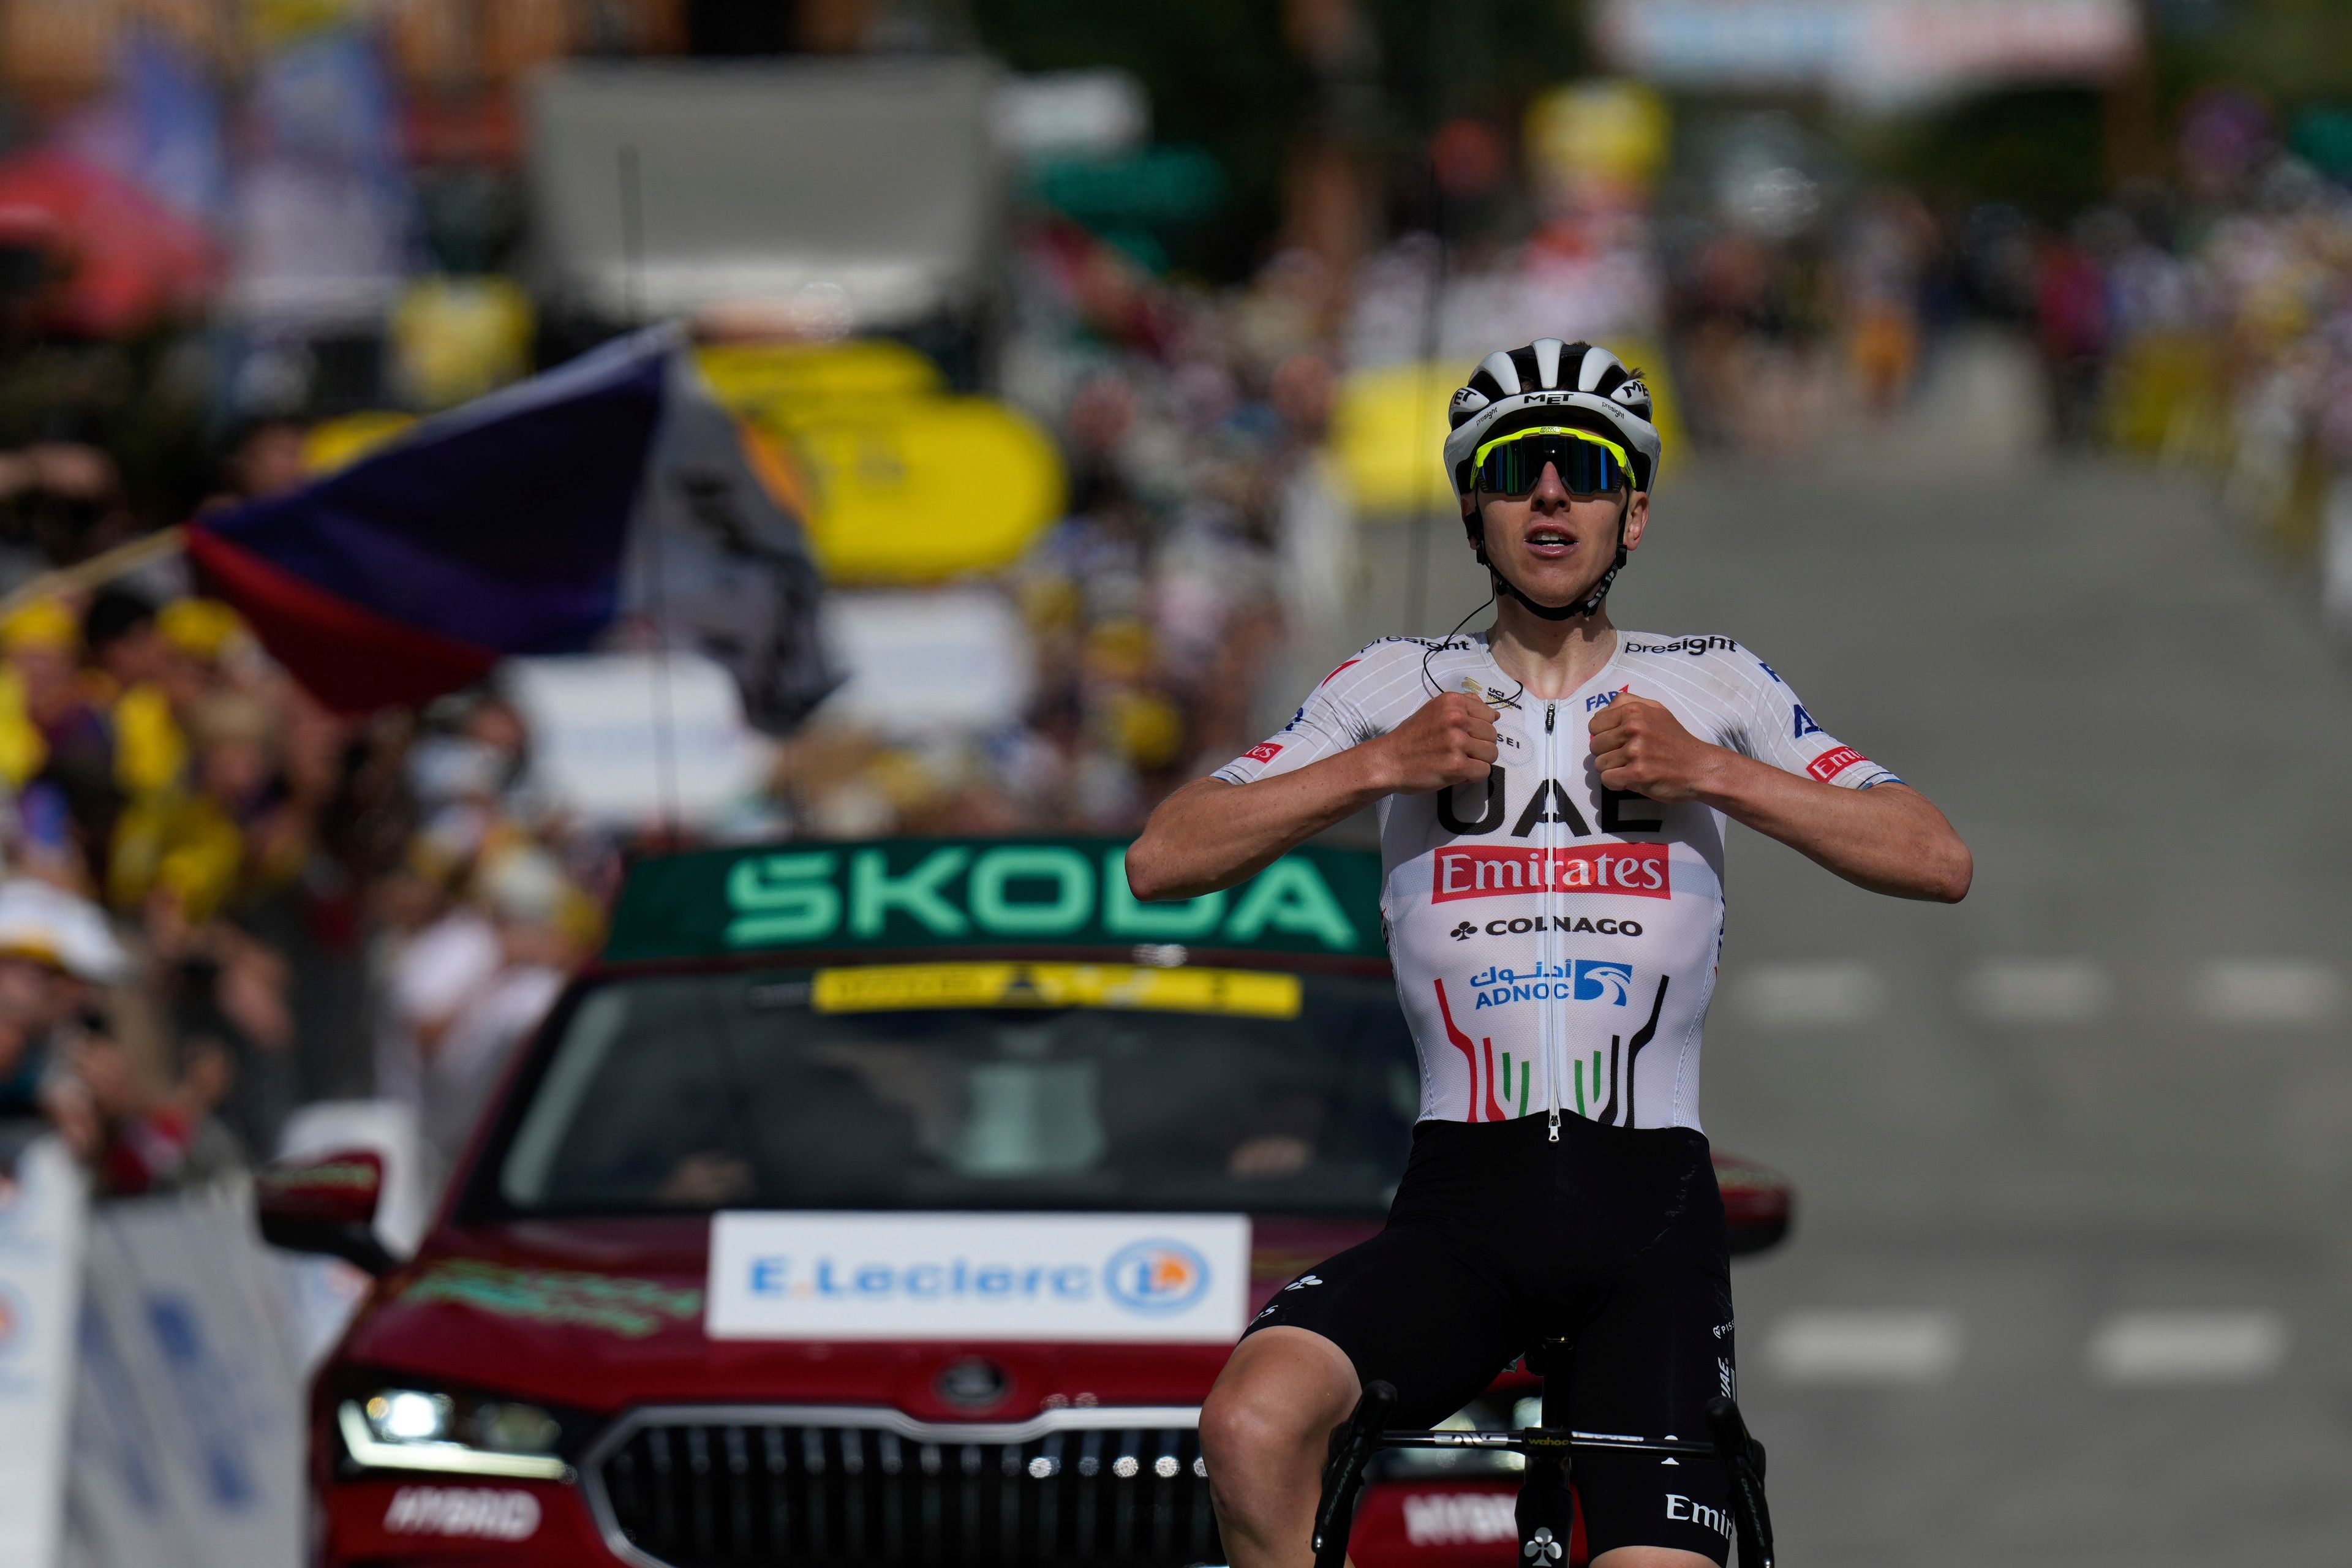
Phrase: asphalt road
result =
(2070, 1277)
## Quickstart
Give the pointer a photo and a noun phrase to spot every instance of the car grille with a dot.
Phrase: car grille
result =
(707, 1488)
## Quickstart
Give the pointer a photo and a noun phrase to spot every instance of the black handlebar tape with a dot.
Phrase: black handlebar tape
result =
(1353, 1443)
(1729, 1432)
(1743, 1462)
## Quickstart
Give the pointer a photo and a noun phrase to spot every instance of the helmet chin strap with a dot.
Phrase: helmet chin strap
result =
(1584, 606)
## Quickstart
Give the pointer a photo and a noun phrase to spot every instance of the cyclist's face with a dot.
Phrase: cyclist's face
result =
(1554, 545)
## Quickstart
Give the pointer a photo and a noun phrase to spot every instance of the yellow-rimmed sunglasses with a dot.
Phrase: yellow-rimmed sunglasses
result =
(1589, 465)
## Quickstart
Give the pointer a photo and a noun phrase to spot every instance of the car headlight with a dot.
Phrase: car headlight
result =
(420, 1429)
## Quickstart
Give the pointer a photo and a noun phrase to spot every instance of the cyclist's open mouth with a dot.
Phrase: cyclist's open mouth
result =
(1551, 543)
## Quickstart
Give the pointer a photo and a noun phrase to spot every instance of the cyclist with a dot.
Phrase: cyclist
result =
(1551, 795)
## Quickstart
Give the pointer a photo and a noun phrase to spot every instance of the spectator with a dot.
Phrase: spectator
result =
(138, 1140)
(55, 741)
(55, 952)
(24, 1065)
(128, 645)
(185, 844)
(2072, 316)
(472, 988)
(264, 459)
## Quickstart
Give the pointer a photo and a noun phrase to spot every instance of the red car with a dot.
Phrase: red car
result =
(889, 1202)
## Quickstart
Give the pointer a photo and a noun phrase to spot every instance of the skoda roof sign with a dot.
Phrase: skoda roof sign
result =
(977, 893)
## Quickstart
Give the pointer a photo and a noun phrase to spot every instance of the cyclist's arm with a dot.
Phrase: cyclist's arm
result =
(1889, 838)
(1211, 834)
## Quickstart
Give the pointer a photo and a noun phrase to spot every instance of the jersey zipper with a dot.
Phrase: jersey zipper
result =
(1554, 1048)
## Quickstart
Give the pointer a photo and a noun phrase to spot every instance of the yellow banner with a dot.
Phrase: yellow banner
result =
(908, 482)
(901, 987)
(925, 489)
(751, 377)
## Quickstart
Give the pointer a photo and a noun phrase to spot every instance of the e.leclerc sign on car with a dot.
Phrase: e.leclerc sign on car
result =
(1160, 1278)
(906, 893)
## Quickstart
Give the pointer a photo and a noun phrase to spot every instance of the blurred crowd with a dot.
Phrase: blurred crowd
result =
(2205, 317)
(228, 901)
(223, 901)
(220, 902)
(1190, 422)
(2209, 321)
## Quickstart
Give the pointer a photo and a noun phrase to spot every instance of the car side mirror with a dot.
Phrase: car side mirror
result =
(324, 1204)
(1757, 1205)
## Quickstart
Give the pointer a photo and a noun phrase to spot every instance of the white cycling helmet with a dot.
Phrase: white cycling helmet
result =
(1551, 383)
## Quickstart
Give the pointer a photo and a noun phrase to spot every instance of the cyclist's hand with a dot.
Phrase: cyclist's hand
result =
(1450, 740)
(1640, 745)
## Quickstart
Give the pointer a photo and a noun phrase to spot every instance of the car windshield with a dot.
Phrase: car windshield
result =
(1005, 1085)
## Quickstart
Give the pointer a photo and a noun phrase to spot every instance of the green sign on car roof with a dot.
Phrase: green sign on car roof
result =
(903, 894)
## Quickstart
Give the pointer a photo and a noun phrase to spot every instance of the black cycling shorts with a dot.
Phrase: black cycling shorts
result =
(1612, 1239)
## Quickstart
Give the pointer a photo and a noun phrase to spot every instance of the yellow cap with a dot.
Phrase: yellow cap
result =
(201, 627)
(44, 623)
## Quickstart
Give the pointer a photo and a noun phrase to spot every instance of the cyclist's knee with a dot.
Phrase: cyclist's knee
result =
(1240, 1429)
(1244, 1422)
(1275, 1400)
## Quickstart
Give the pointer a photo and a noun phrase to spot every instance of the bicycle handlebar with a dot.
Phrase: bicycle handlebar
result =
(1743, 1461)
(1539, 1439)
(1355, 1440)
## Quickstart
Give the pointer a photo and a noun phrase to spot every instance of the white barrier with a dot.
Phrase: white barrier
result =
(43, 1206)
(187, 1436)
(153, 1357)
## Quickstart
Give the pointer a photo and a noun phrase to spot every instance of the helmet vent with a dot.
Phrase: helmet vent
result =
(1502, 370)
(1547, 351)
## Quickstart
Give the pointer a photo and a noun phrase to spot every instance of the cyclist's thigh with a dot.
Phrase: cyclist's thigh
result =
(1656, 1348)
(1413, 1306)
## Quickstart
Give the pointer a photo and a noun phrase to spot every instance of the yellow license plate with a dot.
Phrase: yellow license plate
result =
(898, 987)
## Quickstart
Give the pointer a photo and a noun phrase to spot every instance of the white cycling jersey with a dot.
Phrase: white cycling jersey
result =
(1555, 942)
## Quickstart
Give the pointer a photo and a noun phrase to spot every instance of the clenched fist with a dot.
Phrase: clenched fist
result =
(1449, 741)
(1639, 745)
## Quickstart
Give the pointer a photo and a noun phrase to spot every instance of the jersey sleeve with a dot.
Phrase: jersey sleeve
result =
(1780, 732)
(1330, 721)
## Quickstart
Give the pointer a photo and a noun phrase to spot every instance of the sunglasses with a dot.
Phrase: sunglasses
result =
(1512, 465)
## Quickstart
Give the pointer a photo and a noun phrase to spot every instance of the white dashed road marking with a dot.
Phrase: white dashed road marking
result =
(2147, 1347)
(1899, 1347)
(2266, 992)
(1831, 992)
(2037, 991)
(1817, 995)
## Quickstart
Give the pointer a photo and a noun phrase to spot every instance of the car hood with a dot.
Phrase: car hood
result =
(601, 1315)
